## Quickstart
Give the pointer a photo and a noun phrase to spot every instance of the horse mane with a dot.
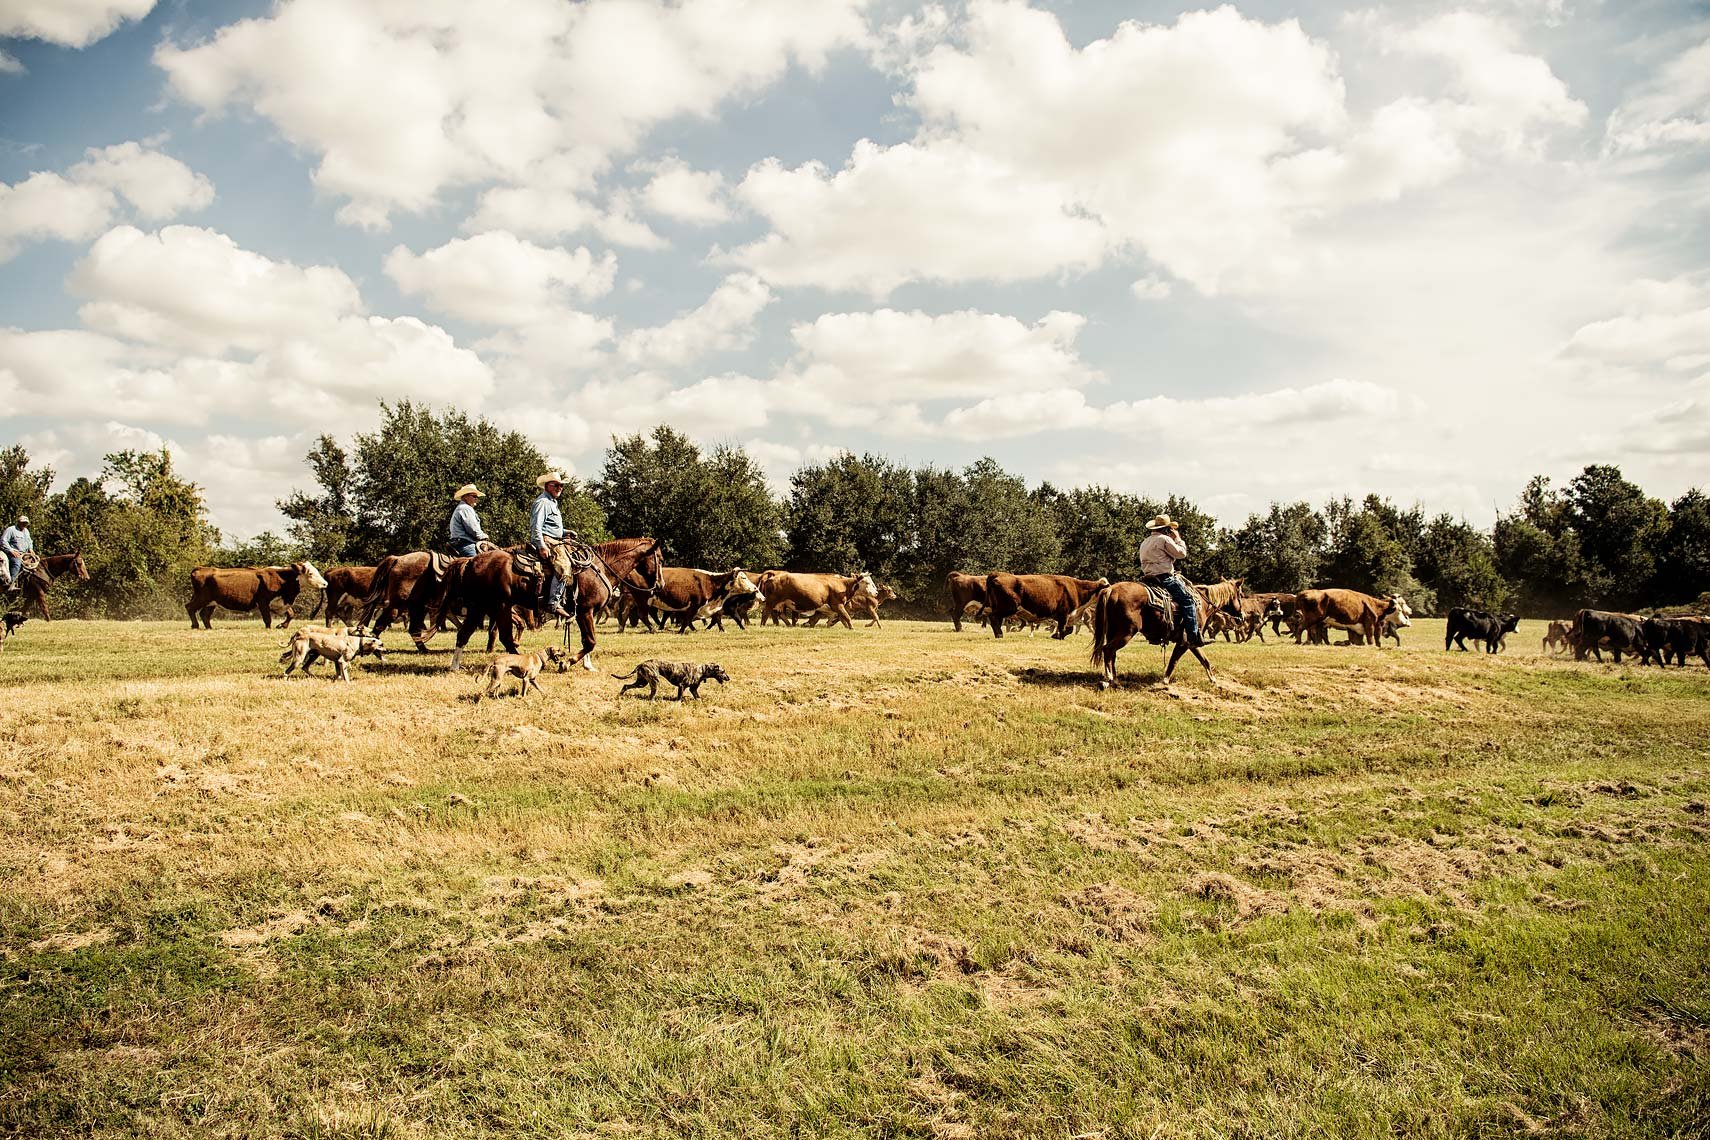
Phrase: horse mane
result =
(1220, 594)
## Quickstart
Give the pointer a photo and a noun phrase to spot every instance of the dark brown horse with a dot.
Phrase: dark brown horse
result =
(413, 583)
(1126, 609)
(35, 583)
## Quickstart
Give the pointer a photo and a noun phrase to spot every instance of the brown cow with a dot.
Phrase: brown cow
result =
(1053, 597)
(965, 589)
(808, 593)
(344, 584)
(248, 588)
(687, 596)
(862, 606)
(1322, 610)
(1556, 638)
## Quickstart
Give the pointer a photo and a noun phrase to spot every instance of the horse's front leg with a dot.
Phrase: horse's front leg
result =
(465, 630)
(585, 623)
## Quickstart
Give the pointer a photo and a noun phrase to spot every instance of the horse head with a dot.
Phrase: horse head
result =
(78, 568)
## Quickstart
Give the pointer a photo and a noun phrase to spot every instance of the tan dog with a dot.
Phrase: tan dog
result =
(341, 648)
(526, 667)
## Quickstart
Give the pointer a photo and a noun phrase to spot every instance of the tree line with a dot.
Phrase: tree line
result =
(1598, 540)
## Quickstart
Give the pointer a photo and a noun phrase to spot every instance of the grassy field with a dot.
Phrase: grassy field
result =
(895, 882)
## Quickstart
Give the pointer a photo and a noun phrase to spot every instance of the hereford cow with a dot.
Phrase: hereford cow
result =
(1322, 610)
(1040, 597)
(345, 584)
(1492, 630)
(1596, 630)
(686, 596)
(862, 606)
(1679, 638)
(248, 588)
(784, 591)
(964, 590)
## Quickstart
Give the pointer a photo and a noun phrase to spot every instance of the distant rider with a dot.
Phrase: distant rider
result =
(1158, 555)
(464, 530)
(16, 542)
(546, 521)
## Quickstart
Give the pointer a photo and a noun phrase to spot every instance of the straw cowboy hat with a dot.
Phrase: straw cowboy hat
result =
(550, 477)
(23, 518)
(1161, 522)
(469, 489)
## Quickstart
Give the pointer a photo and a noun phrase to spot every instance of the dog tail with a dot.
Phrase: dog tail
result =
(626, 676)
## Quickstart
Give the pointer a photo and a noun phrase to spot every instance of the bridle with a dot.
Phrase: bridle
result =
(640, 585)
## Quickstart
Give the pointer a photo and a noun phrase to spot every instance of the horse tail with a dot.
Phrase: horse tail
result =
(1100, 601)
(377, 590)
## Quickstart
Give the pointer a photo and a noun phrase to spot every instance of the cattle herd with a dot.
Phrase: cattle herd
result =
(627, 583)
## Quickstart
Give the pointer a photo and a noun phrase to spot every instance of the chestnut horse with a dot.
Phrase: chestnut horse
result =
(632, 565)
(35, 582)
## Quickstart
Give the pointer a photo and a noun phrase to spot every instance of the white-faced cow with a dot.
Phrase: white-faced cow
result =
(1349, 609)
(809, 593)
(248, 588)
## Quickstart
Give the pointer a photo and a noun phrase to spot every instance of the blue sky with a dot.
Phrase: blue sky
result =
(1259, 251)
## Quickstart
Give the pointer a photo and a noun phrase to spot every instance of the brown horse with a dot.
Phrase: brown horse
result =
(1125, 609)
(35, 583)
(413, 583)
(634, 565)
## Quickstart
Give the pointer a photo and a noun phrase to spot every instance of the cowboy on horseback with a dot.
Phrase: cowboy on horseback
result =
(464, 534)
(1158, 556)
(545, 521)
(16, 542)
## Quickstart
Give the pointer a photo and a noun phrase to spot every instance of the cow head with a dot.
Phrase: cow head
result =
(307, 573)
(1400, 610)
(1510, 622)
(743, 584)
(865, 587)
(885, 594)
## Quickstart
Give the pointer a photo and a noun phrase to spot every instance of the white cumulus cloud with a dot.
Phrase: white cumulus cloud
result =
(85, 199)
(69, 23)
(497, 278)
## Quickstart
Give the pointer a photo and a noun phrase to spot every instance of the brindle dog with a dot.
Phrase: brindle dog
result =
(682, 674)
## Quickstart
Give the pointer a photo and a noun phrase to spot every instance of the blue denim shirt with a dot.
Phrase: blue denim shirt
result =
(544, 520)
(465, 526)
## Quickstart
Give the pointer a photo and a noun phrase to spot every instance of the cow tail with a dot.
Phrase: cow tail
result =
(1100, 600)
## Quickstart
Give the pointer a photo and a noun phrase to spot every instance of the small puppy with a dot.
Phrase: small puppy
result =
(9, 623)
(309, 645)
(525, 667)
(682, 674)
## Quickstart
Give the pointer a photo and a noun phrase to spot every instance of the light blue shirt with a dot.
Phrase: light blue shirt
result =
(544, 520)
(465, 526)
(16, 541)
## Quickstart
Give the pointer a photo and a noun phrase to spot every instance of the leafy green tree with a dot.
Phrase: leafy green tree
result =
(1005, 529)
(1457, 562)
(1546, 569)
(265, 549)
(711, 511)
(938, 504)
(1279, 550)
(1362, 554)
(22, 490)
(849, 514)
(394, 493)
(1683, 569)
(1099, 531)
(322, 525)
(1620, 530)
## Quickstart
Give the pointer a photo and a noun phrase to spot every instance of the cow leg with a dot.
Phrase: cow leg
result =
(842, 613)
(208, 616)
(266, 608)
(190, 608)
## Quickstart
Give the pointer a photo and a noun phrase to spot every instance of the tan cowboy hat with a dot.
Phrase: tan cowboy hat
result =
(1161, 522)
(550, 477)
(469, 489)
(23, 518)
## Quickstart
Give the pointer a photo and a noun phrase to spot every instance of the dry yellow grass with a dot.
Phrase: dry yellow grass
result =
(888, 882)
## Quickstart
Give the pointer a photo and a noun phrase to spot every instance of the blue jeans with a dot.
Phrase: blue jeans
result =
(1176, 586)
(466, 549)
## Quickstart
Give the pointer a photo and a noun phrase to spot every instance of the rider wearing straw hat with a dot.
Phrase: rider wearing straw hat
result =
(16, 542)
(464, 533)
(1158, 555)
(546, 521)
